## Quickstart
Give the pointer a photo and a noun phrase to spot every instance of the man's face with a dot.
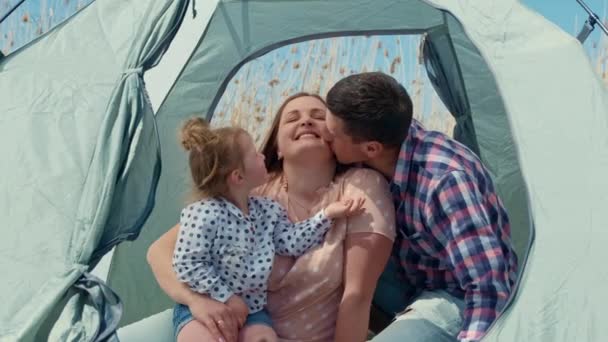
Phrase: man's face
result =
(346, 150)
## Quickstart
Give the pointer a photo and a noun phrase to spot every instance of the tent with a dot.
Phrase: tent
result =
(86, 128)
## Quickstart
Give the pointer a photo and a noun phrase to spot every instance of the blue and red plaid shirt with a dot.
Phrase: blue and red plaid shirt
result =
(452, 230)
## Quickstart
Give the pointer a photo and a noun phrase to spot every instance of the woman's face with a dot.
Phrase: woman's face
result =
(302, 128)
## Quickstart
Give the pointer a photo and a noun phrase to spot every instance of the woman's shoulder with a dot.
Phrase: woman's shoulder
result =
(362, 175)
(380, 213)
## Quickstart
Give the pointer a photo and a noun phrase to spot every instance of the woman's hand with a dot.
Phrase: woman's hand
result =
(345, 208)
(219, 318)
(239, 309)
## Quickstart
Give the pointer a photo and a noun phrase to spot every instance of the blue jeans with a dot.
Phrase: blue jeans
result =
(183, 316)
(391, 289)
(433, 316)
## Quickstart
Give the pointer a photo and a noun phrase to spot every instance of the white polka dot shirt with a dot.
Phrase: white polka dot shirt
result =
(221, 252)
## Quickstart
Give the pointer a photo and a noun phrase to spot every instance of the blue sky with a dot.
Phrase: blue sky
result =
(566, 13)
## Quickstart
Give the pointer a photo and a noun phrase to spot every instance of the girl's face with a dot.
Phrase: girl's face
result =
(302, 128)
(255, 173)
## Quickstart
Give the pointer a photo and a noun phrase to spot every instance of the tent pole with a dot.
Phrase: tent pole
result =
(593, 20)
(11, 10)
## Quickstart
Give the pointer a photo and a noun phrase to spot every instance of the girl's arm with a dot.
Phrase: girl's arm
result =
(295, 239)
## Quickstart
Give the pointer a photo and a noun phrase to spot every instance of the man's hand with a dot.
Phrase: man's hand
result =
(239, 309)
(218, 318)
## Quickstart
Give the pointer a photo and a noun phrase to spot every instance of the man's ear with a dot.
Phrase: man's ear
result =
(372, 149)
(235, 177)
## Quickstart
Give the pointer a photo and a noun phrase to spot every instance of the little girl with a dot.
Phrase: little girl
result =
(227, 239)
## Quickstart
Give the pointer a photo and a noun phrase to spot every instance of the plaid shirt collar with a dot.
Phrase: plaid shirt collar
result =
(402, 169)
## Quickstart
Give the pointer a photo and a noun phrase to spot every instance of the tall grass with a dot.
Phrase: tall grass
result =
(258, 89)
(32, 19)
(261, 85)
(599, 55)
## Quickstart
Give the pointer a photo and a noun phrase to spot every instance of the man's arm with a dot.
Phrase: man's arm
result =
(458, 219)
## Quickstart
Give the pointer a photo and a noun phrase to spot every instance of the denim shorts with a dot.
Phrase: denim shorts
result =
(183, 316)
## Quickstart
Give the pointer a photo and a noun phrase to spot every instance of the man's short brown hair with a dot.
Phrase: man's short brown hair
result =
(373, 106)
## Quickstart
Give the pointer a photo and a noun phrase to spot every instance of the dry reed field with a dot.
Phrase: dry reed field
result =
(260, 86)
(32, 19)
(256, 91)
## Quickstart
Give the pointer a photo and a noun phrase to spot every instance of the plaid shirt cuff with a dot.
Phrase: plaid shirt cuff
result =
(470, 335)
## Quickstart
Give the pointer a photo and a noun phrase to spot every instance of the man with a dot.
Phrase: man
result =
(453, 243)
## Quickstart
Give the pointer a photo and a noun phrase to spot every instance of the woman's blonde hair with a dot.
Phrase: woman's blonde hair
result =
(213, 155)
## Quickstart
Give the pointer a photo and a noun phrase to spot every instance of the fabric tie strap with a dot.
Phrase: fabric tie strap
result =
(106, 303)
(130, 71)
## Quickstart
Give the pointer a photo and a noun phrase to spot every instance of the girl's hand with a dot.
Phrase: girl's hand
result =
(218, 317)
(345, 208)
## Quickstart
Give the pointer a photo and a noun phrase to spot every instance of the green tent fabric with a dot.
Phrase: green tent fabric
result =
(444, 73)
(81, 161)
(558, 112)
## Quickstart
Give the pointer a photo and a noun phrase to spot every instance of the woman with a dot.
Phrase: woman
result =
(326, 294)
